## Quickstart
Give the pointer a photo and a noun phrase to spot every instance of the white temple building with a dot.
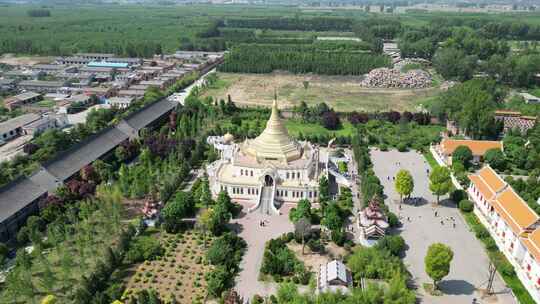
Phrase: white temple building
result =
(334, 276)
(269, 170)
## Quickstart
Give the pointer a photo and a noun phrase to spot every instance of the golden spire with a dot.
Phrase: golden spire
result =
(274, 142)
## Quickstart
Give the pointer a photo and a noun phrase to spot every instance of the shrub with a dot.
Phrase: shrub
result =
(458, 195)
(466, 205)
(393, 219)
(402, 147)
(384, 147)
(144, 248)
(394, 244)
(50, 299)
(338, 236)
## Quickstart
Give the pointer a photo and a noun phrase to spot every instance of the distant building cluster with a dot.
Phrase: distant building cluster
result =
(71, 84)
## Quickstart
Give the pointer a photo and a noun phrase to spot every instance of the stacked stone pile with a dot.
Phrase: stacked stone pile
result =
(394, 78)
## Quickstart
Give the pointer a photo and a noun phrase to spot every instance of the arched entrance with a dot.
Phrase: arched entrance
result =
(268, 181)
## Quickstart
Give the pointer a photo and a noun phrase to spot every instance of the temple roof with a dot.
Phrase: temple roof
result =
(274, 142)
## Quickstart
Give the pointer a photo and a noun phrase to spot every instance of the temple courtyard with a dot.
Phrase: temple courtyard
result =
(469, 269)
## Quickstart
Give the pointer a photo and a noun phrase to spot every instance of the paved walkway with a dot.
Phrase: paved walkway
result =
(247, 283)
(469, 269)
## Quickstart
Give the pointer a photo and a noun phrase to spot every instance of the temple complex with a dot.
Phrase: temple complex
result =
(269, 170)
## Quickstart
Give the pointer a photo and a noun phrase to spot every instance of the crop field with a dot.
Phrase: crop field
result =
(343, 93)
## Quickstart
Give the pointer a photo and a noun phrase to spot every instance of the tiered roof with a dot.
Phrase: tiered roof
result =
(274, 142)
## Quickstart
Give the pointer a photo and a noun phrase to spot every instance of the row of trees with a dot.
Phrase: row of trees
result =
(293, 24)
(300, 59)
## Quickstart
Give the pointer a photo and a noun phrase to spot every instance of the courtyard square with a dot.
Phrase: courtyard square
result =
(421, 228)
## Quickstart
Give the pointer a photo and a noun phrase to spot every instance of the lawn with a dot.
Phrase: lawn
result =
(295, 127)
(179, 273)
(343, 93)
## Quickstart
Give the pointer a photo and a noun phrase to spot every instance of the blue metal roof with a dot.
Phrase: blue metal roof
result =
(103, 64)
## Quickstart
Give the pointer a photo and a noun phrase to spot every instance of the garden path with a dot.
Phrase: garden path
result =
(247, 226)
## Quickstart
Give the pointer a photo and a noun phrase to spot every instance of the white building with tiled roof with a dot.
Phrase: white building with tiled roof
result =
(514, 226)
(334, 276)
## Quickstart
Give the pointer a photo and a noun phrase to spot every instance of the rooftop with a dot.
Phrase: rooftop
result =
(509, 205)
(478, 147)
(104, 64)
(17, 122)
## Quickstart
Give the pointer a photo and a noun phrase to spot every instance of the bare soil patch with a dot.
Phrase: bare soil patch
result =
(343, 93)
(10, 59)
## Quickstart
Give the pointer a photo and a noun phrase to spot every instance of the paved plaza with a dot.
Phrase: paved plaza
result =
(247, 224)
(469, 269)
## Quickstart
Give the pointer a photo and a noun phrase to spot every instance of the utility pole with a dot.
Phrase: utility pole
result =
(492, 271)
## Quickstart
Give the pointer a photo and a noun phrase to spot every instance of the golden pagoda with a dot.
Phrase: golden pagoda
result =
(274, 143)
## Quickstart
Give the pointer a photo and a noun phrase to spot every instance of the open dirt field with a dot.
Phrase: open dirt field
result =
(343, 93)
(10, 59)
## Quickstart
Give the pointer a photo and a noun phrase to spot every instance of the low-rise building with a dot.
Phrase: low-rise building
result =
(446, 148)
(100, 92)
(513, 120)
(46, 122)
(14, 127)
(529, 98)
(41, 86)
(16, 101)
(334, 276)
(120, 102)
(105, 64)
(161, 84)
(131, 93)
(7, 85)
(23, 74)
(513, 225)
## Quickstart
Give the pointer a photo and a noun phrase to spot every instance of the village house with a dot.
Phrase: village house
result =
(446, 148)
(529, 98)
(14, 127)
(7, 85)
(131, 93)
(16, 101)
(513, 225)
(46, 122)
(41, 86)
(513, 120)
(120, 102)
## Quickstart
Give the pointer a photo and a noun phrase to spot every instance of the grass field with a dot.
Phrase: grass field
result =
(343, 93)
(296, 127)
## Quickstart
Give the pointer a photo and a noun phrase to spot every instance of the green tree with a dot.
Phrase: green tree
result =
(404, 183)
(437, 262)
(332, 217)
(440, 182)
(324, 190)
(302, 210)
(496, 159)
(462, 154)
(204, 222)
(176, 210)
